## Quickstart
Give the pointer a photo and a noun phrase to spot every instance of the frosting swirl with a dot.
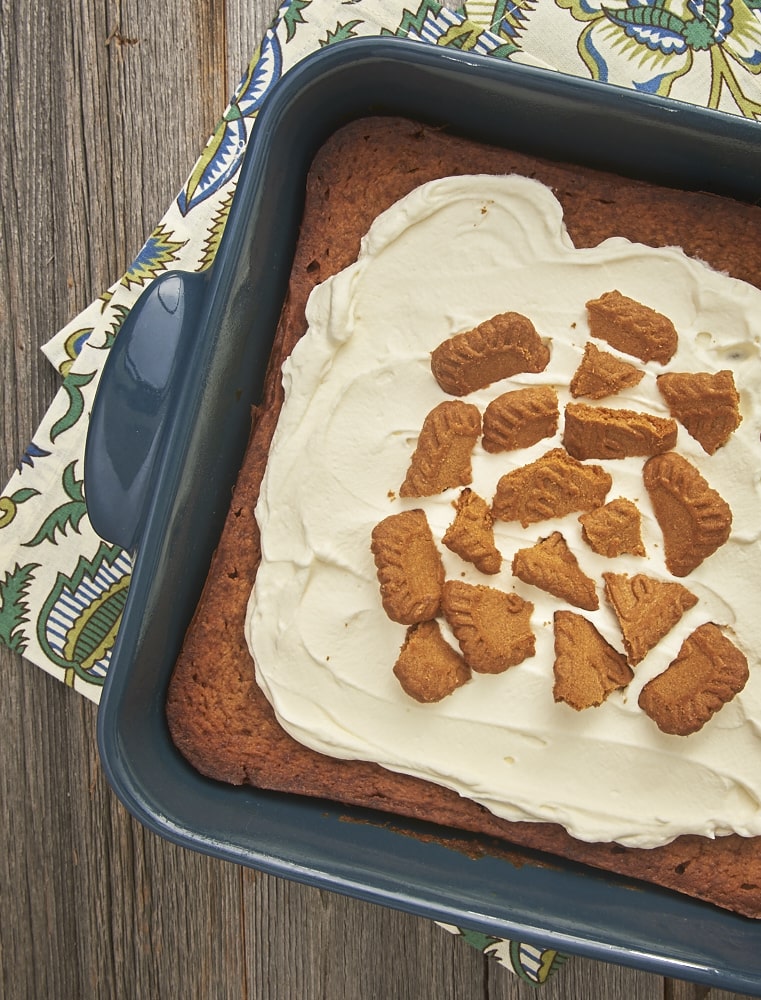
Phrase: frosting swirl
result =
(358, 386)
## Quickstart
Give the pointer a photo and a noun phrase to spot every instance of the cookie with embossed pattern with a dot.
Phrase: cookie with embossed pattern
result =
(471, 534)
(613, 530)
(442, 457)
(551, 566)
(708, 672)
(499, 347)
(695, 520)
(520, 418)
(632, 327)
(428, 668)
(586, 667)
(646, 608)
(707, 405)
(493, 627)
(552, 486)
(601, 374)
(603, 432)
(410, 571)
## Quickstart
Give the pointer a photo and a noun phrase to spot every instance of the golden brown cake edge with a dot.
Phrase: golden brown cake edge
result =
(218, 717)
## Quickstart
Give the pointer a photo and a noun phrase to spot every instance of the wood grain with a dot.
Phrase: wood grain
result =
(108, 103)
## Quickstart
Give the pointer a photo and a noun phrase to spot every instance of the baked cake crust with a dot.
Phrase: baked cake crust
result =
(218, 717)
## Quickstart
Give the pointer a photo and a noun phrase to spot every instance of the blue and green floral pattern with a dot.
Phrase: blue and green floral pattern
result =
(529, 962)
(649, 45)
(704, 51)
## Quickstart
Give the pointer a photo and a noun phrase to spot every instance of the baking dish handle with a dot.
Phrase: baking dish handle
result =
(134, 398)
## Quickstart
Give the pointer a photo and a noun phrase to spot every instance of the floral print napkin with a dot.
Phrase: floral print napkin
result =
(62, 589)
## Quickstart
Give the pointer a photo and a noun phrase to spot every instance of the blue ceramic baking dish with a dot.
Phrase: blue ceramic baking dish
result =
(168, 431)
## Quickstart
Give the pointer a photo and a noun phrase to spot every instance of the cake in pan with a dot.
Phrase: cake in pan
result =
(435, 635)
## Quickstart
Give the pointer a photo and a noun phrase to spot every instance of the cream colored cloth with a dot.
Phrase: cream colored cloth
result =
(62, 588)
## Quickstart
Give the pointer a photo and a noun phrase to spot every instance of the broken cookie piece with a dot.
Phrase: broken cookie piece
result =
(707, 406)
(551, 566)
(602, 432)
(552, 486)
(694, 519)
(587, 668)
(707, 673)
(499, 347)
(442, 458)
(520, 418)
(614, 529)
(471, 534)
(492, 626)
(602, 374)
(632, 328)
(409, 566)
(428, 668)
(646, 609)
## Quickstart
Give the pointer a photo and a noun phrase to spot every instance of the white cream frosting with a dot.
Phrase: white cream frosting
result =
(358, 385)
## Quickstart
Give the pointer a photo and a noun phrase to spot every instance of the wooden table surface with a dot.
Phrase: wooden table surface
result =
(107, 105)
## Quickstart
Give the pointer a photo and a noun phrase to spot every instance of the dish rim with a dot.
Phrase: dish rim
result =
(371, 62)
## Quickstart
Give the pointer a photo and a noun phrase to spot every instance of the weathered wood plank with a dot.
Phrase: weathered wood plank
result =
(320, 945)
(246, 25)
(96, 141)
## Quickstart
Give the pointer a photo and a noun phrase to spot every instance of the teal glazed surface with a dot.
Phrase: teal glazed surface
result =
(168, 431)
